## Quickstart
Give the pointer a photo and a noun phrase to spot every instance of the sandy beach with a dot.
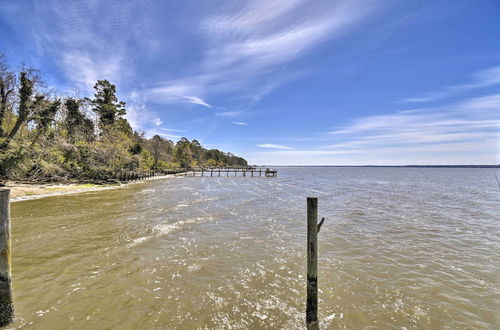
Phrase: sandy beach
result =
(26, 191)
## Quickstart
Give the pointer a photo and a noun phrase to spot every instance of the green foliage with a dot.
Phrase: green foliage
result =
(182, 153)
(211, 162)
(106, 105)
(48, 139)
(148, 161)
(78, 126)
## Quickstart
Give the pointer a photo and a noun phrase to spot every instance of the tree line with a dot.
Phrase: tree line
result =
(45, 137)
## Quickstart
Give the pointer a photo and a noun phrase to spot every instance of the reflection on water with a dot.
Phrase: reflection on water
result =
(401, 248)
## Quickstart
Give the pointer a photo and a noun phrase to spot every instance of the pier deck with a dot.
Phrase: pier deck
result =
(228, 172)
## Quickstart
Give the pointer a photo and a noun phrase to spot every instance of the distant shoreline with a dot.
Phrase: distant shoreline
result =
(404, 166)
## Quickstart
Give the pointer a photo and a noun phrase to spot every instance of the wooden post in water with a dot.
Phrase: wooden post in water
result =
(312, 263)
(6, 304)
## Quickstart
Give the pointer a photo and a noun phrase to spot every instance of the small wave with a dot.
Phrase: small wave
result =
(165, 229)
(139, 240)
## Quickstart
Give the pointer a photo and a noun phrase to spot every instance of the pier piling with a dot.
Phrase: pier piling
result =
(6, 304)
(312, 263)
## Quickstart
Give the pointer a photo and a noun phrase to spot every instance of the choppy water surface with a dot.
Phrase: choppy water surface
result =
(400, 248)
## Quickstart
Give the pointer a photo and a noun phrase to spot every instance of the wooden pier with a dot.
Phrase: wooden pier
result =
(230, 172)
(250, 171)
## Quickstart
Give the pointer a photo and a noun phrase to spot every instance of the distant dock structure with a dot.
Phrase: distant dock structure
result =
(231, 172)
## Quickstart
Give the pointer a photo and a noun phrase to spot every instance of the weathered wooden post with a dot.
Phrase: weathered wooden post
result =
(6, 304)
(312, 263)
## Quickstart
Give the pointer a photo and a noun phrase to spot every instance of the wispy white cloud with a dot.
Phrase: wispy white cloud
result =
(472, 120)
(157, 122)
(446, 153)
(85, 69)
(246, 43)
(239, 123)
(160, 132)
(173, 130)
(80, 43)
(197, 100)
(463, 132)
(138, 114)
(274, 146)
(484, 78)
(228, 114)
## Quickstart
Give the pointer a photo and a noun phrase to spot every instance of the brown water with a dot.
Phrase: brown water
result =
(400, 248)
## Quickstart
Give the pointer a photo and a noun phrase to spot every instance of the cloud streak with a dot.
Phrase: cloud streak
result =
(197, 100)
(474, 120)
(484, 78)
(274, 146)
(246, 44)
(464, 132)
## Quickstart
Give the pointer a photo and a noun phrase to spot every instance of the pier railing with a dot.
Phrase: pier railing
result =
(231, 171)
(250, 171)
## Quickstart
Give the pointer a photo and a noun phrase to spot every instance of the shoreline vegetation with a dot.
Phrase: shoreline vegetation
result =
(47, 136)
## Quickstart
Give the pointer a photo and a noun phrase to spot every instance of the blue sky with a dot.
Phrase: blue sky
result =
(285, 81)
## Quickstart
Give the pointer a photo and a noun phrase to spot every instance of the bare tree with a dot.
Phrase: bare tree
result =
(7, 90)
